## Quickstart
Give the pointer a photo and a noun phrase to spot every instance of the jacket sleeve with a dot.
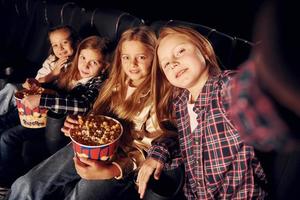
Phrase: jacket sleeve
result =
(68, 104)
(165, 148)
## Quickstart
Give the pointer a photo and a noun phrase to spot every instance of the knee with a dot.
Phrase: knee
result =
(22, 185)
(11, 87)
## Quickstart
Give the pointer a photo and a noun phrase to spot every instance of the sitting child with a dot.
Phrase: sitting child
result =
(79, 86)
(63, 42)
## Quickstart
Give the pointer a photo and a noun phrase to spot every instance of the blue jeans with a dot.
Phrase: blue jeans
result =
(11, 146)
(7, 99)
(9, 120)
(56, 178)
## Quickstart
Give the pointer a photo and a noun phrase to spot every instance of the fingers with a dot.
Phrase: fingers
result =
(143, 178)
(86, 161)
(70, 123)
(158, 171)
(66, 131)
(60, 63)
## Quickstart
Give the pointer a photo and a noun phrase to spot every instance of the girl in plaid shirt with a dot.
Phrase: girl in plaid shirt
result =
(79, 85)
(188, 80)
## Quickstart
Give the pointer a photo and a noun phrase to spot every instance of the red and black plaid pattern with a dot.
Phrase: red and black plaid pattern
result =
(77, 101)
(253, 112)
(218, 164)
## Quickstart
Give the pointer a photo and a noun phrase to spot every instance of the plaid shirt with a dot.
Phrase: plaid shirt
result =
(79, 100)
(255, 113)
(218, 164)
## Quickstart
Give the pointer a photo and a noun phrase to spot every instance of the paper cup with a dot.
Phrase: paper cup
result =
(104, 152)
(30, 118)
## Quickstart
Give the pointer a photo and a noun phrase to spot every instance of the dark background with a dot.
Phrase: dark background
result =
(232, 17)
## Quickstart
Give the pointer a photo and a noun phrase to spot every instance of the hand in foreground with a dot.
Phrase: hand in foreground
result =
(70, 123)
(148, 167)
(32, 101)
(31, 84)
(95, 170)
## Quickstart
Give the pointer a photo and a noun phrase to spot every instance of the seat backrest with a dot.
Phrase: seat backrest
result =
(112, 23)
(230, 51)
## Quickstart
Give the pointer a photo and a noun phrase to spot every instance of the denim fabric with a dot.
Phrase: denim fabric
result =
(56, 178)
(7, 99)
(11, 145)
(9, 120)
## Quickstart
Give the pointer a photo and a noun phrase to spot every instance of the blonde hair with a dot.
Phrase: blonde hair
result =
(162, 91)
(72, 73)
(113, 93)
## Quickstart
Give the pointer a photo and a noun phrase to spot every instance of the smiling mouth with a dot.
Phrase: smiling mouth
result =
(134, 71)
(85, 73)
(180, 73)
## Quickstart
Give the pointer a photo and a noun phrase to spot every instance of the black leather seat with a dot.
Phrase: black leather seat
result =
(231, 51)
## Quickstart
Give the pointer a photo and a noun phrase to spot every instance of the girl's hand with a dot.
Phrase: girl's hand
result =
(148, 167)
(95, 170)
(31, 84)
(59, 65)
(32, 101)
(70, 123)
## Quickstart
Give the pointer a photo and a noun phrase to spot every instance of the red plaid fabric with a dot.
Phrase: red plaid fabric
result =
(218, 164)
(254, 114)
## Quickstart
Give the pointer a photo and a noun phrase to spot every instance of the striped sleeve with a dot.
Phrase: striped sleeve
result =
(73, 104)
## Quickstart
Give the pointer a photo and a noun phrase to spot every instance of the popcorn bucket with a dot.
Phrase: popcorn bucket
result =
(30, 118)
(104, 152)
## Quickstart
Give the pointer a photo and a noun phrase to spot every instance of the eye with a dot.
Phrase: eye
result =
(165, 66)
(95, 63)
(125, 57)
(54, 46)
(180, 52)
(142, 57)
(65, 42)
(81, 57)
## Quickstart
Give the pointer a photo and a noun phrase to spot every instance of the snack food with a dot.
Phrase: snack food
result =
(96, 137)
(30, 118)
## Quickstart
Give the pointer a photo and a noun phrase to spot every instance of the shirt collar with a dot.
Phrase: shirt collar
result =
(203, 100)
(83, 81)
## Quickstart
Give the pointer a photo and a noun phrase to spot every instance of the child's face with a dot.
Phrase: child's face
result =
(89, 63)
(136, 61)
(61, 43)
(182, 62)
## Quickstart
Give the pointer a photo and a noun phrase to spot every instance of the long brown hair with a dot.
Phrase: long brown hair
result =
(72, 73)
(162, 91)
(113, 93)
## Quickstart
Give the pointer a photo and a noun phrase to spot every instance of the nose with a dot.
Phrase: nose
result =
(133, 62)
(86, 64)
(174, 65)
(61, 47)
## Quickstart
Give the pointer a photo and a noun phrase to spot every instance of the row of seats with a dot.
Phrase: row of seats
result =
(23, 38)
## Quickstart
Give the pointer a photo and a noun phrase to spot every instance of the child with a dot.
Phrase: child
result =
(81, 82)
(63, 42)
(126, 94)
(218, 164)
